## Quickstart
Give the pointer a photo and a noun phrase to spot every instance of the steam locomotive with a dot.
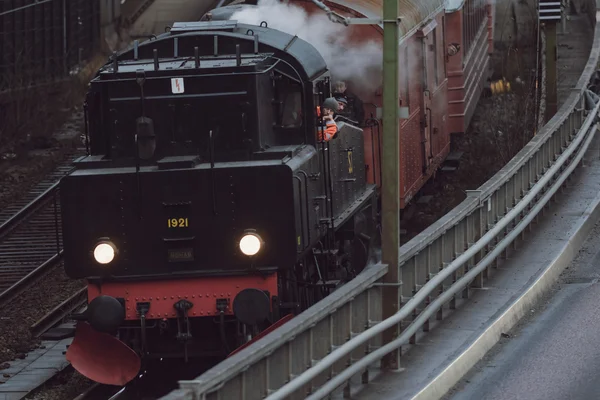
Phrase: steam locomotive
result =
(207, 211)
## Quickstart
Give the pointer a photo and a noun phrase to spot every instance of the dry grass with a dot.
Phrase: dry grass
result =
(507, 121)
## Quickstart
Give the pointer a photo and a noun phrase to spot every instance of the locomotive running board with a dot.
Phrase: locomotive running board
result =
(360, 202)
(263, 333)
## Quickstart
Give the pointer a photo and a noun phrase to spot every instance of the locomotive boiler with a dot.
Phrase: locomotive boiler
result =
(206, 209)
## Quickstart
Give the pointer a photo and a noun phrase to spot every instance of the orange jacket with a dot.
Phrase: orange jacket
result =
(330, 131)
(330, 128)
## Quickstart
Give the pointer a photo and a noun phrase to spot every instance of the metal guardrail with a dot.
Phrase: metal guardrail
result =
(297, 344)
(555, 176)
(318, 349)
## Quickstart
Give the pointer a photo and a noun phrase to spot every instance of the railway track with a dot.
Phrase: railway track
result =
(157, 380)
(148, 386)
(102, 392)
(30, 235)
(75, 303)
(49, 180)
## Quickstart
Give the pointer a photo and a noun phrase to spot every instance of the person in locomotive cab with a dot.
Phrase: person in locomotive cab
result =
(344, 111)
(342, 102)
(326, 111)
(354, 106)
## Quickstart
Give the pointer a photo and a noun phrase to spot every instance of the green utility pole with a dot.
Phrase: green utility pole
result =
(551, 69)
(390, 190)
(390, 215)
(550, 14)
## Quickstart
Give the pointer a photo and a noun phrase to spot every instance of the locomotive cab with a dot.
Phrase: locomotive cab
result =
(188, 155)
(206, 198)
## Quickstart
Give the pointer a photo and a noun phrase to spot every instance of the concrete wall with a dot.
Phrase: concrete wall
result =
(163, 13)
(110, 15)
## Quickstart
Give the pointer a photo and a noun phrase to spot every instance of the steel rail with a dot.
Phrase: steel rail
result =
(21, 215)
(10, 293)
(87, 392)
(37, 206)
(432, 308)
(77, 300)
(99, 391)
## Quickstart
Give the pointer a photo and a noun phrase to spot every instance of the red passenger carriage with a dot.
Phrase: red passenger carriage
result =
(445, 49)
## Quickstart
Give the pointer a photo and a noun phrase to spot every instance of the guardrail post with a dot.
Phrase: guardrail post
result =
(476, 227)
(391, 177)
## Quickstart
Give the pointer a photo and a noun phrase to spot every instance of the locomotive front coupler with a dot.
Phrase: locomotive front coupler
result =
(142, 309)
(222, 306)
(182, 307)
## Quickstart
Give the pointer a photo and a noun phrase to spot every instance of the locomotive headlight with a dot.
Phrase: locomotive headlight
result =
(250, 244)
(105, 252)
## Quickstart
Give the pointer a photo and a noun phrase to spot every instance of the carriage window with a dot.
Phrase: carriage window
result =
(288, 112)
(292, 110)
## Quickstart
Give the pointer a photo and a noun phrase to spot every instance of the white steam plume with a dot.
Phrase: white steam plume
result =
(360, 64)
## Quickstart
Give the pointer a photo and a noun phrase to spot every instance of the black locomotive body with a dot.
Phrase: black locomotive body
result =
(207, 209)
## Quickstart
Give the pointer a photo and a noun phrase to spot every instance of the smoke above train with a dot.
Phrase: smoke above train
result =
(347, 59)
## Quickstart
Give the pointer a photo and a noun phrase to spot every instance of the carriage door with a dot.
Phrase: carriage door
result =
(429, 84)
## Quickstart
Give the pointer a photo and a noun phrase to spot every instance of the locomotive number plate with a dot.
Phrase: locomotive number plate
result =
(179, 255)
(178, 223)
